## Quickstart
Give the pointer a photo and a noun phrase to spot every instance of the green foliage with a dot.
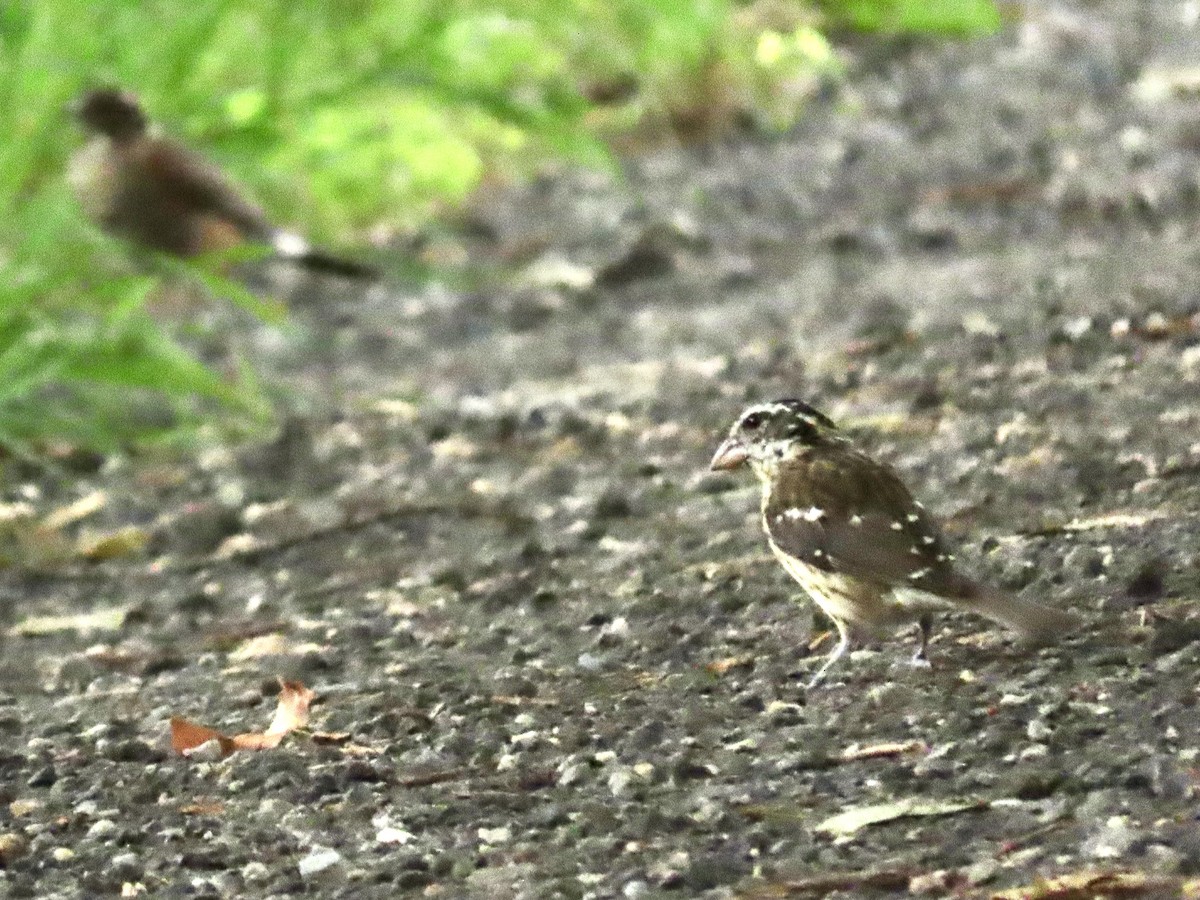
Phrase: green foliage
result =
(342, 116)
(80, 358)
(948, 18)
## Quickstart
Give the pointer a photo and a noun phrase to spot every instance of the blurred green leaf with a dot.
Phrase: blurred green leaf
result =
(951, 18)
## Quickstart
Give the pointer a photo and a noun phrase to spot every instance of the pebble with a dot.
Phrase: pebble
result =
(634, 889)
(1165, 859)
(1112, 840)
(23, 807)
(318, 860)
(12, 847)
(981, 871)
(590, 662)
(932, 884)
(570, 774)
(392, 835)
(501, 835)
(619, 781)
(43, 777)
(255, 871)
(102, 828)
(125, 866)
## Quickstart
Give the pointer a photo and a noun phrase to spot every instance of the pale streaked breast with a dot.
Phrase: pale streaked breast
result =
(92, 178)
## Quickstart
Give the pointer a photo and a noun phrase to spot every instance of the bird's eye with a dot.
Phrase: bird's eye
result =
(752, 421)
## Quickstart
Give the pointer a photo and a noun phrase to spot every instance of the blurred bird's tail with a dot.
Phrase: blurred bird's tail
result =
(1032, 621)
(319, 261)
(295, 249)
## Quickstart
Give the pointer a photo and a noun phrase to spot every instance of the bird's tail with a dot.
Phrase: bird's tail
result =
(295, 249)
(320, 261)
(1034, 622)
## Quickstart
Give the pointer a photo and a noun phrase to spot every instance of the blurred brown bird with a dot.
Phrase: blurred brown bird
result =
(157, 193)
(845, 526)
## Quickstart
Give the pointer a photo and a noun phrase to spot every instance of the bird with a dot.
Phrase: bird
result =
(847, 529)
(157, 193)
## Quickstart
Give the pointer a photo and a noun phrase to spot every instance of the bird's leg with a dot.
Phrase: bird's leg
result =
(925, 626)
(838, 652)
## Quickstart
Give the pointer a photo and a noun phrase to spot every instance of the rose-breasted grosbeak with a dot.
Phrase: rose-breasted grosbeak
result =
(846, 528)
(157, 193)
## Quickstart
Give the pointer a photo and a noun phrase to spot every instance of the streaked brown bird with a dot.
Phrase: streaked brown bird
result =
(157, 193)
(845, 526)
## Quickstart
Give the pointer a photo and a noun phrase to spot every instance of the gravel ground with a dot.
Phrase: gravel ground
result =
(551, 654)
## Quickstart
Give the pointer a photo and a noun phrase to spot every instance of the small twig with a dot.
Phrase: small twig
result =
(415, 781)
(465, 510)
(876, 751)
(1114, 520)
(401, 511)
(1035, 834)
(878, 879)
(516, 700)
(1108, 885)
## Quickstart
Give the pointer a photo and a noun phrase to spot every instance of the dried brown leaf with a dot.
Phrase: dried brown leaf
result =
(274, 644)
(874, 751)
(820, 885)
(1101, 885)
(517, 700)
(60, 518)
(851, 821)
(721, 666)
(187, 735)
(203, 808)
(291, 713)
(123, 542)
(94, 620)
(818, 639)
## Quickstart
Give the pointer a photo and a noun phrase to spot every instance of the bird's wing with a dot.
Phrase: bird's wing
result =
(842, 512)
(199, 186)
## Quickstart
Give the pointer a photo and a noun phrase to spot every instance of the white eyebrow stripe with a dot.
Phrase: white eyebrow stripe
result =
(770, 408)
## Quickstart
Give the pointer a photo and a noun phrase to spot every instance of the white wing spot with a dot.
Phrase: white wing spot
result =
(896, 526)
(818, 552)
(918, 575)
(814, 514)
(928, 539)
(913, 517)
(289, 245)
(856, 519)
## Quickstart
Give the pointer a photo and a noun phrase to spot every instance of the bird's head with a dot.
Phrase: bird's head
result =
(116, 114)
(767, 433)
